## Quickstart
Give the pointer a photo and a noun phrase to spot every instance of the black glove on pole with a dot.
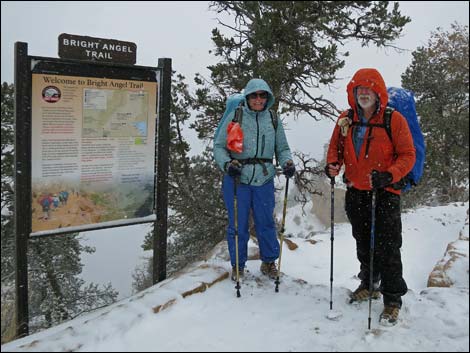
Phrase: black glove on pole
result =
(234, 168)
(289, 169)
(380, 179)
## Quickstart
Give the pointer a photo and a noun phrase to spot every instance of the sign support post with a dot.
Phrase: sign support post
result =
(22, 183)
(161, 227)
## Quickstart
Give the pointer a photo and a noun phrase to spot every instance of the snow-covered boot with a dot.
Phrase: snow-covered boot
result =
(269, 269)
(389, 316)
(362, 293)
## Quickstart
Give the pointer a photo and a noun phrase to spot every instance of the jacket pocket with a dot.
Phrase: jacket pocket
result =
(263, 144)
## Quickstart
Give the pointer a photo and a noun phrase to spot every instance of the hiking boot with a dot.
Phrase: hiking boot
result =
(362, 293)
(241, 273)
(389, 316)
(269, 269)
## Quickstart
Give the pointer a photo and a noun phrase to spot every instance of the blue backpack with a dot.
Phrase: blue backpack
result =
(45, 202)
(233, 102)
(403, 101)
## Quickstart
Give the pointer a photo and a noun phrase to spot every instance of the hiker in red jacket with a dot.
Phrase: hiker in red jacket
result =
(373, 162)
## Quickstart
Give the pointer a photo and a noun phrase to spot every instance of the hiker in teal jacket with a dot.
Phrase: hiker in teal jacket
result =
(253, 168)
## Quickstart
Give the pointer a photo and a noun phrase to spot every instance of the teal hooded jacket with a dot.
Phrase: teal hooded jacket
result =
(260, 139)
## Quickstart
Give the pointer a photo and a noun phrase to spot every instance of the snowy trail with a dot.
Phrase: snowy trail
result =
(166, 318)
(292, 320)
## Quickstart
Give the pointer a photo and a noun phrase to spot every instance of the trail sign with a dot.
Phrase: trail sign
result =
(96, 49)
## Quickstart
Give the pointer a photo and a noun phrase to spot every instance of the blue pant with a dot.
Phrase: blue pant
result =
(260, 199)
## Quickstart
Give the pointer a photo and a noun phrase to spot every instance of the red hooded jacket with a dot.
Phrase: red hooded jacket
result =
(396, 157)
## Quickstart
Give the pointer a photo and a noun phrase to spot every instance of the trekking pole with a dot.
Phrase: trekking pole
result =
(282, 235)
(371, 252)
(332, 238)
(235, 208)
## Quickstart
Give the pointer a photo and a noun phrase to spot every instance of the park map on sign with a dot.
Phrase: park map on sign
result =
(114, 113)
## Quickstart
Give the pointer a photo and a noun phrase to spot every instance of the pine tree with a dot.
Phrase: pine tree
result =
(200, 219)
(8, 241)
(197, 216)
(56, 291)
(294, 46)
(439, 76)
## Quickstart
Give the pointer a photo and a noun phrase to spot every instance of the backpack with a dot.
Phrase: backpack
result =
(403, 101)
(236, 103)
(45, 202)
(230, 105)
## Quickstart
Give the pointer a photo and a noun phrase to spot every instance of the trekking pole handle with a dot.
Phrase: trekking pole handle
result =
(332, 180)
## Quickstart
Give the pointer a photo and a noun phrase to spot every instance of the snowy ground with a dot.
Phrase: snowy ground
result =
(295, 318)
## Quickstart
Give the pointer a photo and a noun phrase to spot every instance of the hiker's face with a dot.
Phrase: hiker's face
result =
(257, 100)
(366, 97)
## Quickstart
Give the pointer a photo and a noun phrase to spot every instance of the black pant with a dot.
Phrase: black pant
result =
(387, 240)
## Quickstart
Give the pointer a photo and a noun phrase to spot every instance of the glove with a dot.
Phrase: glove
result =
(289, 169)
(234, 168)
(332, 170)
(380, 180)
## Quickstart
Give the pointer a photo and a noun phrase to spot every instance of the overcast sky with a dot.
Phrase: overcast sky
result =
(182, 31)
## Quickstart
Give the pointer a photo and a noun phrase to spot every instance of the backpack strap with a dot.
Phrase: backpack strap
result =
(350, 114)
(238, 117)
(388, 121)
(260, 161)
(273, 118)
(403, 182)
(387, 125)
